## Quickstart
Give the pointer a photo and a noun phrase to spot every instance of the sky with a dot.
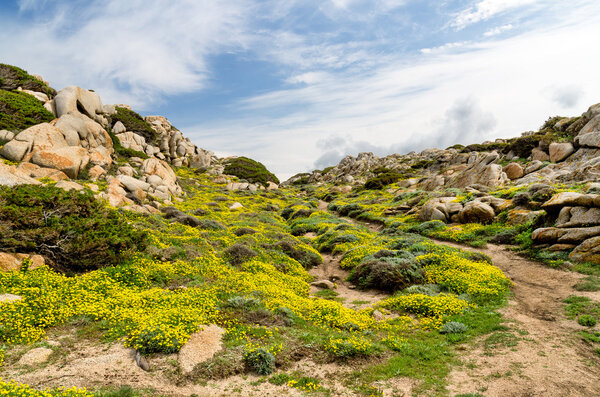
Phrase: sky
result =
(298, 84)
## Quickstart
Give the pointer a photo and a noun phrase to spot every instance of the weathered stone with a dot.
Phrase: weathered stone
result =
(6, 135)
(133, 184)
(236, 206)
(36, 356)
(498, 204)
(592, 126)
(69, 160)
(39, 137)
(118, 128)
(476, 212)
(578, 235)
(96, 172)
(200, 347)
(591, 139)
(561, 247)
(560, 151)
(68, 185)
(580, 216)
(539, 155)
(588, 251)
(12, 262)
(76, 99)
(547, 234)
(519, 217)
(440, 209)
(569, 199)
(323, 284)
(514, 171)
(533, 166)
(274, 186)
(11, 176)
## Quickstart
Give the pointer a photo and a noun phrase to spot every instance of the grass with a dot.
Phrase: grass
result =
(590, 284)
(329, 294)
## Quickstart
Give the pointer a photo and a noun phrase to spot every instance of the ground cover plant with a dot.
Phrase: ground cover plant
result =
(249, 275)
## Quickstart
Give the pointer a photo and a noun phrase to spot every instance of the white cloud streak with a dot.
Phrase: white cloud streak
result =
(485, 9)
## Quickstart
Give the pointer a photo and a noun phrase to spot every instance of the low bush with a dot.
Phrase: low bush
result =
(73, 231)
(453, 327)
(239, 253)
(382, 180)
(350, 347)
(387, 273)
(260, 360)
(250, 170)
(122, 151)
(135, 123)
(586, 320)
(19, 111)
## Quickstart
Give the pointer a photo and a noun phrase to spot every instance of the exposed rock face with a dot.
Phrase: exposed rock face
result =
(440, 209)
(514, 171)
(476, 212)
(588, 251)
(70, 160)
(11, 176)
(78, 100)
(560, 151)
(12, 262)
(39, 137)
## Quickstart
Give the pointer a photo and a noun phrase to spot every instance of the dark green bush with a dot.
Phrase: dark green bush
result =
(72, 230)
(12, 77)
(122, 151)
(327, 241)
(135, 123)
(250, 170)
(382, 180)
(307, 258)
(586, 320)
(387, 273)
(239, 253)
(426, 228)
(19, 111)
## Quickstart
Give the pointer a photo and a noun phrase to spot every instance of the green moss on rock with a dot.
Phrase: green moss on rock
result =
(19, 111)
(250, 170)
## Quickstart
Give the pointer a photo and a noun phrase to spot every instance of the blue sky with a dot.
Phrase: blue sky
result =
(299, 84)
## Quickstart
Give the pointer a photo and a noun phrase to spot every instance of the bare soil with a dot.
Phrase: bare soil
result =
(545, 358)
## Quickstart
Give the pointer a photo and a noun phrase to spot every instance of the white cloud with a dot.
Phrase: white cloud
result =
(498, 30)
(132, 51)
(485, 9)
(483, 91)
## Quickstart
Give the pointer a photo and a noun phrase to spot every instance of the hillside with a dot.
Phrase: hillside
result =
(134, 263)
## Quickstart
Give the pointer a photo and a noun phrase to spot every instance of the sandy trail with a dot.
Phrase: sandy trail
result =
(546, 358)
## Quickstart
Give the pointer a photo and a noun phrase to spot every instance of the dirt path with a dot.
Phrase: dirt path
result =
(540, 354)
(352, 297)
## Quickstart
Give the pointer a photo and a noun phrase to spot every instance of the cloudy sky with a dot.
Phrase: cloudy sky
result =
(297, 84)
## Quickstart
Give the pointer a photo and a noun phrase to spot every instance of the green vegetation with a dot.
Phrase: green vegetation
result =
(12, 77)
(122, 151)
(73, 231)
(382, 180)
(19, 111)
(249, 170)
(135, 123)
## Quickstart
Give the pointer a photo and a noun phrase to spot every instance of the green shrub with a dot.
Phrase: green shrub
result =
(387, 273)
(426, 228)
(425, 289)
(250, 170)
(73, 231)
(19, 111)
(237, 302)
(12, 77)
(135, 123)
(327, 241)
(306, 258)
(382, 180)
(239, 253)
(586, 320)
(453, 327)
(260, 361)
(122, 151)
